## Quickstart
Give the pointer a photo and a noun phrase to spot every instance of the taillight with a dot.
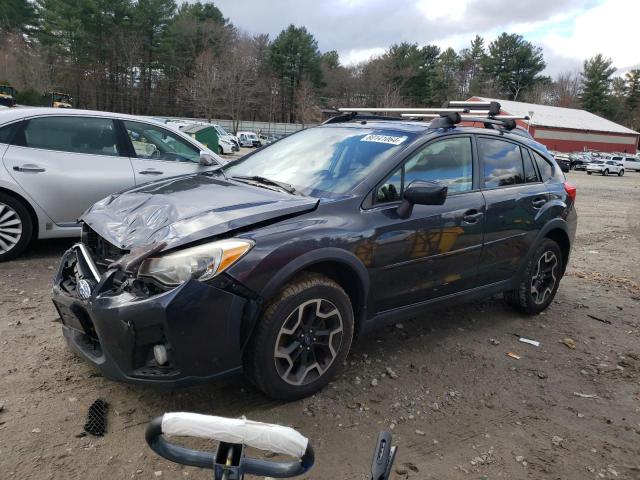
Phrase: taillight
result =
(571, 191)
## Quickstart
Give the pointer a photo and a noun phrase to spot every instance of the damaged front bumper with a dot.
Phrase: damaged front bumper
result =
(199, 326)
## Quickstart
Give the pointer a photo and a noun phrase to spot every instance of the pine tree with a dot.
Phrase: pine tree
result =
(596, 82)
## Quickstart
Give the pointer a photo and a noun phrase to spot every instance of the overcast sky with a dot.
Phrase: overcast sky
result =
(568, 30)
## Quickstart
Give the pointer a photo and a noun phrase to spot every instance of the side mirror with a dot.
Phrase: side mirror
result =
(206, 159)
(422, 193)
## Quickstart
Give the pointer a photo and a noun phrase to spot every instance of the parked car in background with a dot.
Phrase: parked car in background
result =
(579, 161)
(275, 263)
(605, 166)
(563, 160)
(632, 164)
(57, 163)
(248, 139)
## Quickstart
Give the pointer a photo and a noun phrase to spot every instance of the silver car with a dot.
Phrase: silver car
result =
(58, 163)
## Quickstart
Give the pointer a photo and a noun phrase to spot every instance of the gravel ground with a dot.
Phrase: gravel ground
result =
(457, 405)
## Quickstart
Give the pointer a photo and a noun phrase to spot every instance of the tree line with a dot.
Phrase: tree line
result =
(154, 57)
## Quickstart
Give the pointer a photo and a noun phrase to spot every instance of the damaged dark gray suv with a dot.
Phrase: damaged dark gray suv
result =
(273, 264)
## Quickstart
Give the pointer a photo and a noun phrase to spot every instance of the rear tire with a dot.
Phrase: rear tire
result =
(589, 173)
(302, 338)
(16, 227)
(540, 280)
(605, 173)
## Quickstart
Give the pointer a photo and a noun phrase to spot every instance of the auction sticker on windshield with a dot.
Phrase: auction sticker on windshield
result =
(383, 139)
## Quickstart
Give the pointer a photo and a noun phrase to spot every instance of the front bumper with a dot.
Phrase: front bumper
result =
(198, 324)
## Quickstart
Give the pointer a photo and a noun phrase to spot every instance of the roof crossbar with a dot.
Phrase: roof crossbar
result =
(401, 110)
(450, 114)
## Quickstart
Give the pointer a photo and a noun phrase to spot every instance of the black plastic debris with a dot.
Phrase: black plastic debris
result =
(96, 423)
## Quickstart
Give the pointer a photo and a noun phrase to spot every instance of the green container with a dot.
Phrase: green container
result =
(205, 134)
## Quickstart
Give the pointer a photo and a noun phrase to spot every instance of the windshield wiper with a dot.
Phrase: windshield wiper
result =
(267, 181)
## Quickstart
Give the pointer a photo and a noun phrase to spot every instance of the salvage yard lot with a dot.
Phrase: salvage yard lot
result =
(457, 405)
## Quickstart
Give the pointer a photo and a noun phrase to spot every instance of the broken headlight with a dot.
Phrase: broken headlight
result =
(201, 262)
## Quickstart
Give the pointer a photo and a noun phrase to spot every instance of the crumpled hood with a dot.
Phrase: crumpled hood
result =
(184, 209)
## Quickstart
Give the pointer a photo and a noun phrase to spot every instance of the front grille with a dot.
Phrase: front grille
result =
(103, 252)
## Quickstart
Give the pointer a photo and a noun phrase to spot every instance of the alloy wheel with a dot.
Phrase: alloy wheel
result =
(544, 279)
(308, 342)
(10, 228)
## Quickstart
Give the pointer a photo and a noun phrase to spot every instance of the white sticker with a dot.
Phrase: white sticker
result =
(383, 139)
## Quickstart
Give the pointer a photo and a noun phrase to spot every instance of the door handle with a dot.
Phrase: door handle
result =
(472, 216)
(29, 168)
(538, 202)
(151, 172)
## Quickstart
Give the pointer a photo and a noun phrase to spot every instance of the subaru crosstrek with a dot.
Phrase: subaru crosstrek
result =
(274, 263)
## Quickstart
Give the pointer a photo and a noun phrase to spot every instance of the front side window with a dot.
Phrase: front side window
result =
(502, 163)
(94, 136)
(323, 161)
(448, 162)
(156, 143)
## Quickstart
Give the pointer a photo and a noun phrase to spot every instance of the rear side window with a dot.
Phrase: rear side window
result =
(6, 132)
(502, 163)
(94, 136)
(530, 172)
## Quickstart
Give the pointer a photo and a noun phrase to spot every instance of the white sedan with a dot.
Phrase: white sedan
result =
(605, 167)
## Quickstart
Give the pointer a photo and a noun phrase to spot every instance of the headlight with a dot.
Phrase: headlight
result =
(201, 262)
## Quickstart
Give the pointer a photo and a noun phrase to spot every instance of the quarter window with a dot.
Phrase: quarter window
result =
(6, 132)
(502, 163)
(547, 170)
(156, 143)
(89, 135)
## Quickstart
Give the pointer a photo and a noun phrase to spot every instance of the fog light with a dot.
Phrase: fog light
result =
(160, 354)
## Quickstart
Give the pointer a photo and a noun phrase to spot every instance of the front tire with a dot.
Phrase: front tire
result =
(621, 173)
(540, 280)
(302, 338)
(589, 173)
(16, 227)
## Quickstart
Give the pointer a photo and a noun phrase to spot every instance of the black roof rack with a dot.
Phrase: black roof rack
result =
(448, 116)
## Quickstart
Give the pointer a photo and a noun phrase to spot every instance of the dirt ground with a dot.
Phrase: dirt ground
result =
(457, 405)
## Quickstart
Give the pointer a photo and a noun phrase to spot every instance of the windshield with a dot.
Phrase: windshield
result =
(6, 90)
(221, 130)
(322, 161)
(597, 162)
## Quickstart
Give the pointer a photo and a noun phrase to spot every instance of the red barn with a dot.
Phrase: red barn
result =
(570, 129)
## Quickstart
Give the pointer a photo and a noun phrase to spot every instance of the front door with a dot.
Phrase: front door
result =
(434, 252)
(66, 164)
(516, 199)
(160, 153)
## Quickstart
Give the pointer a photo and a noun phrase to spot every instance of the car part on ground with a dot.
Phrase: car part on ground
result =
(310, 242)
(231, 462)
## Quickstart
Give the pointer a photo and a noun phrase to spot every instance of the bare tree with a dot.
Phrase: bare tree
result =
(567, 89)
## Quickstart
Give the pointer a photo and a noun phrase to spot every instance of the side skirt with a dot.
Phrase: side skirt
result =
(388, 317)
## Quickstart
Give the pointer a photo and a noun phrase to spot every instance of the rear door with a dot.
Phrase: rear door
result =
(515, 198)
(434, 252)
(160, 153)
(67, 163)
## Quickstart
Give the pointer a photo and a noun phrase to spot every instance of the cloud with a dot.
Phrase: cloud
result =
(609, 28)
(568, 30)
